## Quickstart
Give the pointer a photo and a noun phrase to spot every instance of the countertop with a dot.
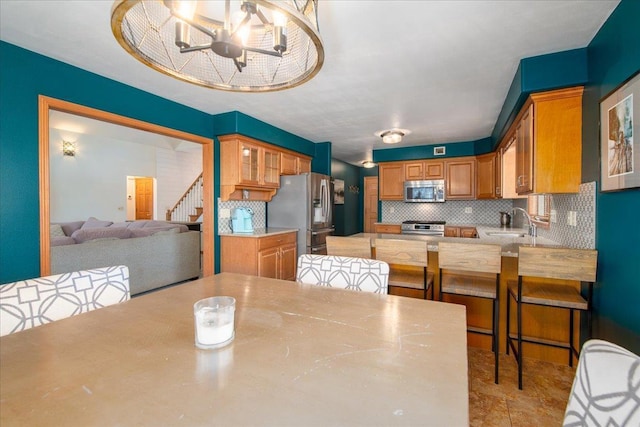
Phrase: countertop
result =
(509, 245)
(262, 232)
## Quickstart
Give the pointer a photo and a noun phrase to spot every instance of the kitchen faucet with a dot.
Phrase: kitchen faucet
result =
(533, 230)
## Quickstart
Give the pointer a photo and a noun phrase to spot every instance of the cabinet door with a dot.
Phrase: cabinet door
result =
(268, 262)
(288, 164)
(451, 231)
(413, 171)
(304, 165)
(391, 181)
(271, 168)
(434, 169)
(460, 181)
(249, 163)
(524, 153)
(486, 186)
(288, 262)
(469, 232)
(497, 178)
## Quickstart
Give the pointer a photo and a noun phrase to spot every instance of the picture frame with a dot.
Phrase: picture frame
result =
(338, 191)
(619, 147)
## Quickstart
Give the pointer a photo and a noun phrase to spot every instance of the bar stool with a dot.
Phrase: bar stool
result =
(456, 261)
(405, 253)
(358, 247)
(536, 263)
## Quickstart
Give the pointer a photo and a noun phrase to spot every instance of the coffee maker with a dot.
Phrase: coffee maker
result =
(242, 220)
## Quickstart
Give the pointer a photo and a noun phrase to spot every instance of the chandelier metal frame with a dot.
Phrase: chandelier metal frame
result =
(198, 48)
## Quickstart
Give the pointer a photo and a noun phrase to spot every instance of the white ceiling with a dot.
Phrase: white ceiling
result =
(441, 69)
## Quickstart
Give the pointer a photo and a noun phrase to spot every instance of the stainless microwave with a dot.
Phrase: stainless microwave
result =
(424, 191)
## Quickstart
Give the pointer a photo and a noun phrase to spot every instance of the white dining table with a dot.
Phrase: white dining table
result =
(303, 355)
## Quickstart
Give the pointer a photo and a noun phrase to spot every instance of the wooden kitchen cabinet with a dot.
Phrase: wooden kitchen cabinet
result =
(460, 178)
(292, 164)
(391, 180)
(250, 170)
(488, 176)
(388, 228)
(454, 231)
(548, 132)
(273, 256)
(423, 170)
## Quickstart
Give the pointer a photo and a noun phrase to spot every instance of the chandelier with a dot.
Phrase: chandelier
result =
(240, 46)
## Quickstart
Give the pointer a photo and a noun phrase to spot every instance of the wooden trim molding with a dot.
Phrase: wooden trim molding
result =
(45, 104)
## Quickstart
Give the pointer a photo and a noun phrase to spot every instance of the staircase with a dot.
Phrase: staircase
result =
(189, 206)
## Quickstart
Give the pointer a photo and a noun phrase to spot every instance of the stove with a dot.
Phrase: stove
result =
(425, 228)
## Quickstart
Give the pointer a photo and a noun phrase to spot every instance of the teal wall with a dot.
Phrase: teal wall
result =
(347, 218)
(23, 76)
(452, 149)
(613, 57)
(321, 162)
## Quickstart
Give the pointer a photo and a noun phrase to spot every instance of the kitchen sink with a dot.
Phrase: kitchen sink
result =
(505, 234)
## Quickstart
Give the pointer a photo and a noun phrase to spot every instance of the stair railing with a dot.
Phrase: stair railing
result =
(189, 206)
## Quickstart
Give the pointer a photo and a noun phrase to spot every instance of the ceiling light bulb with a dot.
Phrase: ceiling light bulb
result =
(392, 137)
(185, 8)
(279, 19)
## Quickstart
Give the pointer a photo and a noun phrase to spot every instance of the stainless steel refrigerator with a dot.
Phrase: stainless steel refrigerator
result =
(304, 202)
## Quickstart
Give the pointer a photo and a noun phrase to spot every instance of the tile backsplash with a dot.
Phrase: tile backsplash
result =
(485, 212)
(583, 235)
(259, 214)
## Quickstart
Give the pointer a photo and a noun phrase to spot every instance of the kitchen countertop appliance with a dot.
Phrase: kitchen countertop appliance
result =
(242, 220)
(304, 202)
(425, 228)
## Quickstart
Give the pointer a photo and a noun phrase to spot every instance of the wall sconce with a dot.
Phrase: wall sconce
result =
(354, 189)
(68, 148)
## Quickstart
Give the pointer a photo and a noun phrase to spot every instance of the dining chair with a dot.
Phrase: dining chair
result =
(29, 303)
(606, 388)
(403, 256)
(473, 270)
(535, 266)
(358, 247)
(358, 274)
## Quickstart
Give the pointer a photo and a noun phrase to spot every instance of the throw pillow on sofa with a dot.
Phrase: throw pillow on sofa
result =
(84, 235)
(93, 222)
(70, 227)
(55, 230)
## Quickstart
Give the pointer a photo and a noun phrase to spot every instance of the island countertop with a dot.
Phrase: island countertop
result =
(509, 244)
(262, 232)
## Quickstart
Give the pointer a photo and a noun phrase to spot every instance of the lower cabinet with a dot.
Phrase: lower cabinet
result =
(272, 256)
(468, 232)
(388, 228)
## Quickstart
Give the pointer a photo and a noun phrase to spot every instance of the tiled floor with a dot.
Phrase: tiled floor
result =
(546, 388)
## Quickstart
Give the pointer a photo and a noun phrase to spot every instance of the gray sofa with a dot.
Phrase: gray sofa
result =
(161, 255)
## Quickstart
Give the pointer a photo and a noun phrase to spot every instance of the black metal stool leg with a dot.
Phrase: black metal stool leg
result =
(571, 337)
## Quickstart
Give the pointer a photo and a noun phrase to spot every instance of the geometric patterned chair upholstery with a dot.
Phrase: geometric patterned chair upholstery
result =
(606, 389)
(29, 303)
(358, 274)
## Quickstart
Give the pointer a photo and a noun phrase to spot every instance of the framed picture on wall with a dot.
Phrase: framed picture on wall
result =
(338, 191)
(619, 146)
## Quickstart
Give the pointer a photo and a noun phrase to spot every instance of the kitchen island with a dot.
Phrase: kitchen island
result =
(555, 326)
(266, 252)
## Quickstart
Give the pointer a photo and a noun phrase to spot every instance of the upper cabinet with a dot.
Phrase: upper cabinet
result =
(294, 164)
(548, 138)
(251, 169)
(488, 182)
(391, 180)
(423, 169)
(460, 178)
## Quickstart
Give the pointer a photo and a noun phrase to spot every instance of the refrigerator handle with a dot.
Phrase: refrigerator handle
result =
(324, 197)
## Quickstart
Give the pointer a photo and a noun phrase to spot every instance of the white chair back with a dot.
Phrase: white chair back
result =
(358, 274)
(34, 302)
(606, 389)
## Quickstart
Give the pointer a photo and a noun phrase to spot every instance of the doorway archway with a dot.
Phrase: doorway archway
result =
(45, 104)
